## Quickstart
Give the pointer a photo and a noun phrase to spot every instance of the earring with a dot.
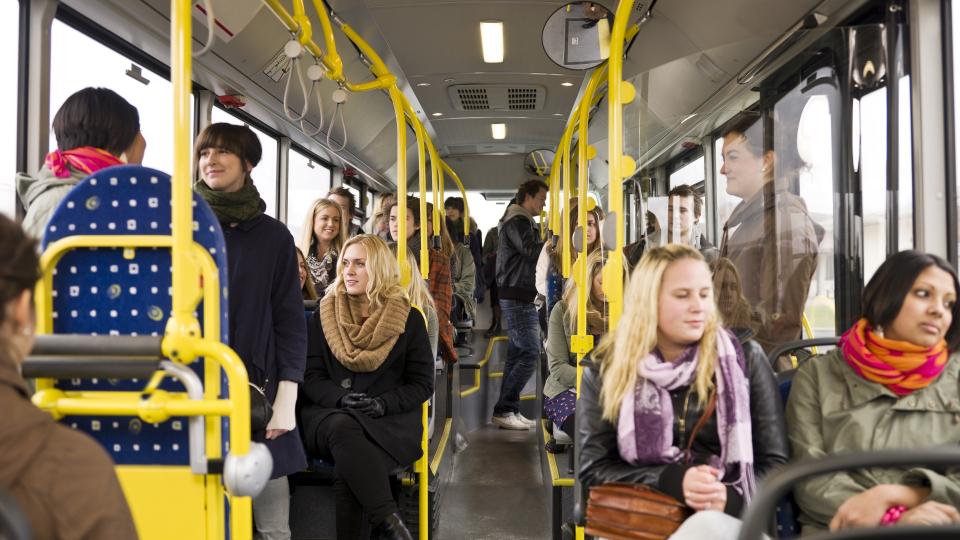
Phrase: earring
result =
(763, 169)
(27, 331)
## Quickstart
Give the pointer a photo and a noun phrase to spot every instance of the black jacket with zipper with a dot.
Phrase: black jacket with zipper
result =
(517, 255)
(600, 461)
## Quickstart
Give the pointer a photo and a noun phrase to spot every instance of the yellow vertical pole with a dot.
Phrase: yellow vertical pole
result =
(397, 99)
(422, 178)
(463, 192)
(619, 92)
(567, 194)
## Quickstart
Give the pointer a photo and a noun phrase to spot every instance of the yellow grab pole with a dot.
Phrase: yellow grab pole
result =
(397, 99)
(421, 177)
(567, 195)
(619, 92)
(331, 59)
(186, 281)
(582, 343)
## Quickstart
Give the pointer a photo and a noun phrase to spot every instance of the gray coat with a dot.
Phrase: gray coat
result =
(42, 194)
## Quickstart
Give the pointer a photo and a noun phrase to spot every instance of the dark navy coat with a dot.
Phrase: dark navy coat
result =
(267, 328)
(404, 381)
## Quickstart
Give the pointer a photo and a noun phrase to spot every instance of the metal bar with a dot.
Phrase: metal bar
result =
(422, 181)
(81, 367)
(76, 345)
(197, 432)
(893, 130)
(397, 99)
(950, 131)
(780, 482)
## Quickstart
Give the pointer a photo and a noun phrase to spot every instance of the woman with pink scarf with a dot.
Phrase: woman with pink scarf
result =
(669, 366)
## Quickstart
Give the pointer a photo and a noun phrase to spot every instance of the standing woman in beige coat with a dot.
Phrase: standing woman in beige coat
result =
(62, 480)
(890, 384)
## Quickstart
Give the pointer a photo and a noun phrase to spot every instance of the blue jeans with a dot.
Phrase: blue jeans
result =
(523, 351)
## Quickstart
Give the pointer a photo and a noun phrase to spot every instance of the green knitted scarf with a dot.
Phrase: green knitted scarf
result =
(233, 207)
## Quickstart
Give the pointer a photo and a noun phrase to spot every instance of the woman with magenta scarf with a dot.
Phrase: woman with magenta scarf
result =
(891, 383)
(668, 364)
(95, 129)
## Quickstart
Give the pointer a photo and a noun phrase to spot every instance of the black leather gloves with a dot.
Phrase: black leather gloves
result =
(362, 403)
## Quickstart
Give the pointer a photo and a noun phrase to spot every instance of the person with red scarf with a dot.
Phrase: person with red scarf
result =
(891, 383)
(95, 129)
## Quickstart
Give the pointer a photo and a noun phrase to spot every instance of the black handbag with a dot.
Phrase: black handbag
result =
(261, 411)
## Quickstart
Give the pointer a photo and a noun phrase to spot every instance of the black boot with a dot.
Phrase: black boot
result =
(494, 329)
(392, 528)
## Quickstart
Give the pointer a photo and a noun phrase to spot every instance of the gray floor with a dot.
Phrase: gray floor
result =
(497, 490)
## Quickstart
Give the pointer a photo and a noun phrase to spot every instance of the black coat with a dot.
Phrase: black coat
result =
(600, 461)
(517, 255)
(267, 328)
(404, 381)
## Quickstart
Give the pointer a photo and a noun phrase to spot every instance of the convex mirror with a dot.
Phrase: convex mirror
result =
(577, 36)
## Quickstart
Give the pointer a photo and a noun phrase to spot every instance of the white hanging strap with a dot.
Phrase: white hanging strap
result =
(315, 74)
(211, 29)
(294, 50)
(339, 97)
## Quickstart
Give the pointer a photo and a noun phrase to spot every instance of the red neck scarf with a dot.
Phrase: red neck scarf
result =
(85, 158)
(900, 366)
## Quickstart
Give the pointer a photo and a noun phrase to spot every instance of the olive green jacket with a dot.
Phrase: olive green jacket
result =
(562, 364)
(832, 410)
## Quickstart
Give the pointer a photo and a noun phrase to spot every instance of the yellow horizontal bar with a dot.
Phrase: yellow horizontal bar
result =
(159, 407)
(555, 479)
(486, 358)
(438, 457)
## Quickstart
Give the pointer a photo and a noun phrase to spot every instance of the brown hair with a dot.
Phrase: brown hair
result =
(239, 140)
(530, 188)
(308, 291)
(19, 266)
(344, 192)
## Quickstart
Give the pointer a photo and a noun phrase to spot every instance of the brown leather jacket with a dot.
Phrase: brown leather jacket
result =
(62, 480)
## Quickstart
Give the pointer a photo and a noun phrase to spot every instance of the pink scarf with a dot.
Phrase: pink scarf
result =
(85, 158)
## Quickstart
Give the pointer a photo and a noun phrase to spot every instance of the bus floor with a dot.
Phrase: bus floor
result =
(497, 489)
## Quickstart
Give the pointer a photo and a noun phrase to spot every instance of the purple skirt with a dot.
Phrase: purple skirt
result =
(560, 407)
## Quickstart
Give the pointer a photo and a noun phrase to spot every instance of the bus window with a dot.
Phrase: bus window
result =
(307, 181)
(690, 174)
(265, 175)
(70, 71)
(10, 32)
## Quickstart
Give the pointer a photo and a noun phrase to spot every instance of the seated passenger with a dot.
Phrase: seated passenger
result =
(348, 202)
(369, 370)
(440, 281)
(667, 370)
(454, 209)
(379, 222)
(684, 210)
(95, 129)
(734, 310)
(61, 479)
(324, 234)
(463, 273)
(419, 295)
(769, 236)
(267, 327)
(559, 390)
(550, 282)
(307, 289)
(890, 384)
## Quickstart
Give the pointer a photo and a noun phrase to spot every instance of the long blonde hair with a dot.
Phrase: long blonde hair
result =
(308, 291)
(308, 240)
(595, 310)
(554, 250)
(636, 333)
(417, 290)
(383, 272)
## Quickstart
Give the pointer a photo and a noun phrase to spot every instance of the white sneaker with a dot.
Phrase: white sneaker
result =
(509, 421)
(525, 420)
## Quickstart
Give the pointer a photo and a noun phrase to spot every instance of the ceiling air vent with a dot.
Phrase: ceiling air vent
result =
(496, 97)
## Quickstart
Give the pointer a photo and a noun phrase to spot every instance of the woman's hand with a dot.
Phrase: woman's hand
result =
(867, 509)
(702, 489)
(930, 513)
(284, 416)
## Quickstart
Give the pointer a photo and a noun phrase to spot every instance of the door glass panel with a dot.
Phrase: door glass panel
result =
(307, 181)
(9, 45)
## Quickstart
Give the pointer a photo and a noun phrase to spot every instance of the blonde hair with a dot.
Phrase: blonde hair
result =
(417, 290)
(636, 334)
(383, 272)
(308, 291)
(595, 309)
(554, 250)
(736, 314)
(308, 240)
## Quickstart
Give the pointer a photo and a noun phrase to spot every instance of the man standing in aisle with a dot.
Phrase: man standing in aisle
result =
(517, 254)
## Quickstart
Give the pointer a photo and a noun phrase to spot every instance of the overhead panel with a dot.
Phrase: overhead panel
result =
(496, 97)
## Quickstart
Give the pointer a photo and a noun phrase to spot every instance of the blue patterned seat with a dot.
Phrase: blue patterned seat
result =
(109, 292)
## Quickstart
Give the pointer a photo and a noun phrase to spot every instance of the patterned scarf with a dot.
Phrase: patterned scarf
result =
(85, 158)
(322, 271)
(361, 345)
(235, 206)
(899, 365)
(645, 426)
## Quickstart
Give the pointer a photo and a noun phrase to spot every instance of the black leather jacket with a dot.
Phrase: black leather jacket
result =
(600, 460)
(517, 255)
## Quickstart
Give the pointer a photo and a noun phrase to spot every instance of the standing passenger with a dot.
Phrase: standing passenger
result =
(668, 368)
(519, 248)
(323, 237)
(769, 235)
(61, 479)
(348, 202)
(95, 129)
(369, 372)
(267, 328)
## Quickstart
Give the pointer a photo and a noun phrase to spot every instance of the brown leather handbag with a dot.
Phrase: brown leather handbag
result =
(620, 511)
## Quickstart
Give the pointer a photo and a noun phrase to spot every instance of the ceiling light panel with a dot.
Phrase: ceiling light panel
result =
(499, 131)
(491, 39)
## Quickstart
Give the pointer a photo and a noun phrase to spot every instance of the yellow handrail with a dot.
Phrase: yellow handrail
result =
(421, 177)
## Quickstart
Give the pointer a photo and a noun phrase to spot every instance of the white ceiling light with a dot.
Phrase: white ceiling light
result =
(421, 84)
(438, 114)
(566, 84)
(491, 37)
(499, 131)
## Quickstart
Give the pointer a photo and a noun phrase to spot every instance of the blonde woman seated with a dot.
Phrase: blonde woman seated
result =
(324, 233)
(559, 390)
(668, 364)
(369, 370)
(891, 383)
